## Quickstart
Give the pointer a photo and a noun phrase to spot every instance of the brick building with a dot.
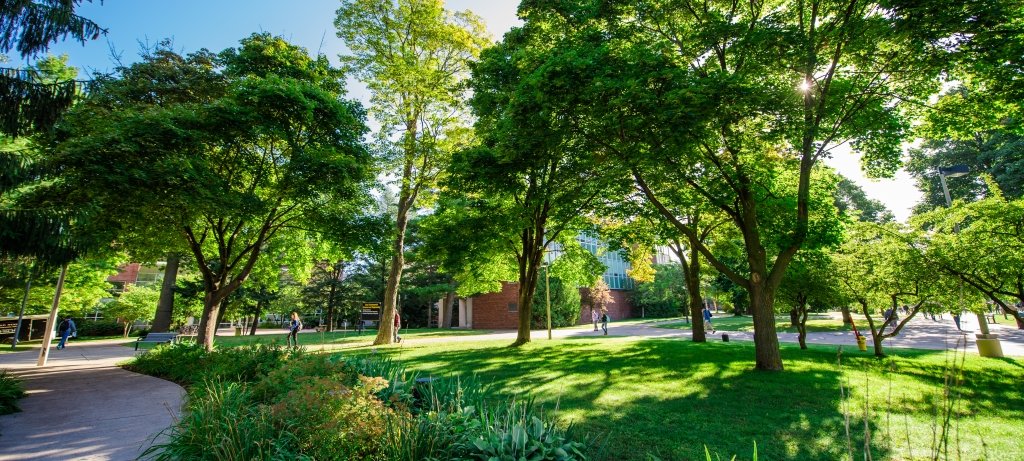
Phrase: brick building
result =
(501, 310)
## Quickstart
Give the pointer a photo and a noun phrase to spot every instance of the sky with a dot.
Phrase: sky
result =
(219, 24)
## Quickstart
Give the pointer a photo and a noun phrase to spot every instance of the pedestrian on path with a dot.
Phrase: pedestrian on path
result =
(293, 330)
(66, 329)
(595, 317)
(604, 322)
(398, 326)
(707, 320)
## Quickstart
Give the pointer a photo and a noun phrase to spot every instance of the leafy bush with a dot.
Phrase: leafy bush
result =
(189, 363)
(10, 391)
(267, 402)
(565, 304)
(88, 328)
(221, 423)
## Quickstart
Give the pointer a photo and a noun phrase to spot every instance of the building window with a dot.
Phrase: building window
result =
(513, 307)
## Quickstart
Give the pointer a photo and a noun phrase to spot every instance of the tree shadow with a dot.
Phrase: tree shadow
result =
(670, 398)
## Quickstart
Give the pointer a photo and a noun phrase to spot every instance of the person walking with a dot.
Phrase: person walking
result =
(707, 320)
(604, 322)
(293, 330)
(398, 326)
(595, 316)
(66, 329)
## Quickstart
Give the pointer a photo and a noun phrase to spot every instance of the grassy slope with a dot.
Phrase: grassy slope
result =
(669, 398)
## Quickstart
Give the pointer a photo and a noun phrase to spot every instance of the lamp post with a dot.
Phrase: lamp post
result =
(547, 293)
(988, 344)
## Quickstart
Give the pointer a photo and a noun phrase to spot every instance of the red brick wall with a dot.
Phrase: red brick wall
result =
(490, 311)
(128, 274)
(622, 308)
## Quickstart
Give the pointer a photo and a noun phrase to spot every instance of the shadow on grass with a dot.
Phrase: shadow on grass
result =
(667, 398)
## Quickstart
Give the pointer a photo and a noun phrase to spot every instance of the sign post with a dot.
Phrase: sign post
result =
(44, 352)
(370, 312)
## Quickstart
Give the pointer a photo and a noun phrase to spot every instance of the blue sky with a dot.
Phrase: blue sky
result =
(219, 24)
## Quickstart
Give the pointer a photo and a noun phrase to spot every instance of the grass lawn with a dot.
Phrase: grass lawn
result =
(337, 338)
(815, 324)
(669, 398)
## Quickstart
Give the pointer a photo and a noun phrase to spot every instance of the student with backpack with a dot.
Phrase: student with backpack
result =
(604, 322)
(707, 320)
(293, 330)
(66, 329)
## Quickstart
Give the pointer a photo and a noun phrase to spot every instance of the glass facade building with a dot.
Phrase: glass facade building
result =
(616, 275)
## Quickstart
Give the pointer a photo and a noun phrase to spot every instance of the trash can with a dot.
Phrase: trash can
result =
(862, 343)
(238, 331)
(725, 337)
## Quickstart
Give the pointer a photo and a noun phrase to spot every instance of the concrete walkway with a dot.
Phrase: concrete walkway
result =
(920, 333)
(81, 406)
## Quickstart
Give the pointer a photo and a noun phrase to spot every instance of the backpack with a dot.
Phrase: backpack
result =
(63, 328)
(604, 317)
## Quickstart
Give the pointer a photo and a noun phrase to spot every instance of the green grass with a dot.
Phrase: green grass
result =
(669, 398)
(333, 339)
(815, 324)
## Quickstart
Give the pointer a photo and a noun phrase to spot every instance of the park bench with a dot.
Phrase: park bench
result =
(156, 338)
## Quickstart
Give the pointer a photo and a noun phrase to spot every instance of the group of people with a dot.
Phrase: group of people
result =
(295, 326)
(601, 316)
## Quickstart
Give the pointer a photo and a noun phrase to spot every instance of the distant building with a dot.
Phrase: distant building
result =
(501, 310)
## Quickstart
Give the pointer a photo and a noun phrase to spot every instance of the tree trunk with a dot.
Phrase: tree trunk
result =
(794, 317)
(385, 331)
(208, 321)
(876, 337)
(847, 317)
(165, 308)
(335, 275)
(527, 288)
(696, 302)
(801, 321)
(766, 340)
(256, 317)
(450, 303)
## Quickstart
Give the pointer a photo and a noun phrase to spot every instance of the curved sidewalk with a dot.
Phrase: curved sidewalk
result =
(82, 406)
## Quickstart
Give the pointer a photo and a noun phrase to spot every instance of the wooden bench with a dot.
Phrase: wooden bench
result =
(156, 338)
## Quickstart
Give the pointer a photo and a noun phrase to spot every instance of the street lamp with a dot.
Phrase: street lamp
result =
(988, 344)
(547, 292)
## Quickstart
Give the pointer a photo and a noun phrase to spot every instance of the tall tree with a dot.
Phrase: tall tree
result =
(261, 128)
(729, 96)
(413, 55)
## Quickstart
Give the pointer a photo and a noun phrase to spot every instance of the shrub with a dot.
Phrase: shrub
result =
(221, 423)
(88, 328)
(10, 391)
(565, 304)
(189, 363)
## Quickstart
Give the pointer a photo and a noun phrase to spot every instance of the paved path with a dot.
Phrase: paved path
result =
(920, 333)
(81, 406)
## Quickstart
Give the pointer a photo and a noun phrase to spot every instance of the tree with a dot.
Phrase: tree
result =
(263, 128)
(982, 244)
(533, 177)
(413, 56)
(881, 268)
(665, 296)
(135, 303)
(810, 281)
(29, 27)
(730, 99)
